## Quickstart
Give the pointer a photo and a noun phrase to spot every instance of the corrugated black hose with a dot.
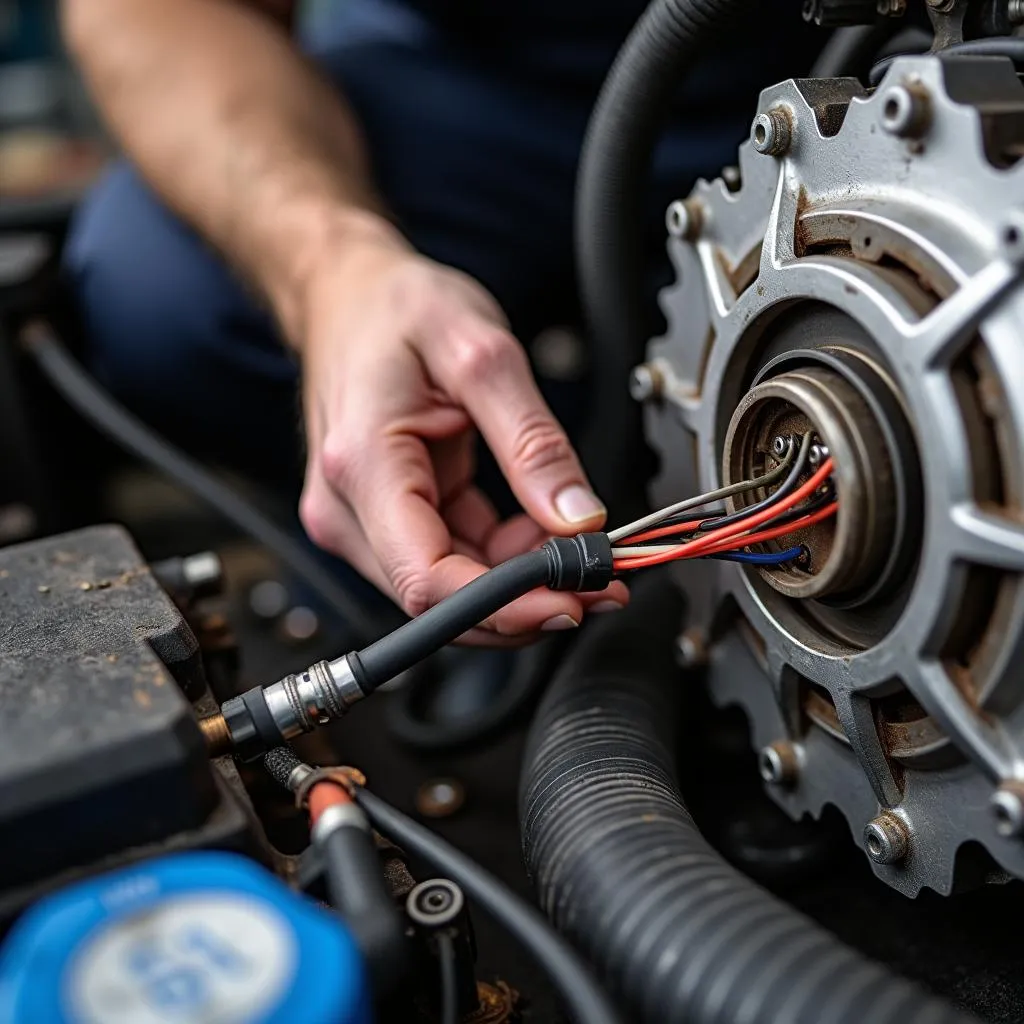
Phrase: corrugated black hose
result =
(620, 867)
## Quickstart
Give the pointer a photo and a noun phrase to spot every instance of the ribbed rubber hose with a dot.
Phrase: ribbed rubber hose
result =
(615, 163)
(621, 869)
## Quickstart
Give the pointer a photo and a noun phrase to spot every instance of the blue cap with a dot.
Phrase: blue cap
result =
(192, 937)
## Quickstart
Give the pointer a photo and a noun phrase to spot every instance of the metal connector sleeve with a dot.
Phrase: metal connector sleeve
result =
(324, 691)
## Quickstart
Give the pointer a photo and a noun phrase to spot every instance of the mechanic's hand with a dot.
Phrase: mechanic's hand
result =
(403, 359)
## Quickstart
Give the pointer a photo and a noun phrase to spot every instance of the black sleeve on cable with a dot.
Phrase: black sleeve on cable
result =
(359, 892)
(582, 996)
(109, 417)
(449, 980)
(577, 563)
(621, 868)
(615, 162)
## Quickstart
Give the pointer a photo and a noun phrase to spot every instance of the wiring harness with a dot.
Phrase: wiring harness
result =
(265, 717)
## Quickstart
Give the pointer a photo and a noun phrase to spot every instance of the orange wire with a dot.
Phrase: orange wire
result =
(782, 531)
(664, 531)
(323, 795)
(731, 545)
(715, 538)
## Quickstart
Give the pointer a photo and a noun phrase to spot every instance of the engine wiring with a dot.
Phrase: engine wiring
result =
(267, 716)
(790, 508)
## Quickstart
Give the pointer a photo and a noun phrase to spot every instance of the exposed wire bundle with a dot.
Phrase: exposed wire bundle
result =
(792, 507)
(265, 717)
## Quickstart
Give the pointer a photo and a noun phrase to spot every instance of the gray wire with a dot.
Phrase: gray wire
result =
(704, 499)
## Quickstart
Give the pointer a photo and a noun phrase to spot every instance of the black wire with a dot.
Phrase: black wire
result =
(996, 46)
(449, 982)
(582, 995)
(786, 487)
(112, 419)
(447, 621)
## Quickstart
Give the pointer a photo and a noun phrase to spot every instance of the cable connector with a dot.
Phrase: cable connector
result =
(582, 563)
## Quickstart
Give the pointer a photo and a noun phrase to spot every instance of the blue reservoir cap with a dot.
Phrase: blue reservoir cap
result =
(195, 937)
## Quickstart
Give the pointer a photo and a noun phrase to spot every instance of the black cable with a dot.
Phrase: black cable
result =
(786, 487)
(582, 995)
(468, 607)
(449, 982)
(996, 46)
(615, 160)
(112, 419)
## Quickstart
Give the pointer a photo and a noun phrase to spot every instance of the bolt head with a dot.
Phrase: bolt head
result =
(779, 763)
(780, 446)
(440, 798)
(906, 111)
(203, 572)
(684, 219)
(772, 132)
(1008, 807)
(645, 382)
(886, 839)
(1011, 237)
(691, 649)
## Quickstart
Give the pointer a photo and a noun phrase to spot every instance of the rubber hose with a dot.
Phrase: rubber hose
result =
(615, 162)
(468, 607)
(110, 418)
(620, 867)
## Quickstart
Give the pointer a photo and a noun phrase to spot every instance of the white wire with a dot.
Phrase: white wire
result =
(653, 549)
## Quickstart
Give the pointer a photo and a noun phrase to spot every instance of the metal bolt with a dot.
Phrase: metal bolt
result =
(906, 111)
(1015, 11)
(435, 903)
(204, 573)
(886, 839)
(780, 446)
(1008, 806)
(300, 624)
(779, 763)
(684, 219)
(646, 382)
(772, 132)
(732, 178)
(818, 454)
(1011, 236)
(691, 649)
(440, 798)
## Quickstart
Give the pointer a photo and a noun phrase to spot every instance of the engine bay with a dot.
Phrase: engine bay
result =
(785, 785)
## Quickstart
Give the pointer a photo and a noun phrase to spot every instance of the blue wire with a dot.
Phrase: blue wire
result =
(775, 558)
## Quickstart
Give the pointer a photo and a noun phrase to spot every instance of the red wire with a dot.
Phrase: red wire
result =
(729, 545)
(663, 531)
(782, 531)
(715, 538)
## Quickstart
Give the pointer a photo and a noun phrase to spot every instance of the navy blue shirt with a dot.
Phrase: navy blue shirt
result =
(475, 112)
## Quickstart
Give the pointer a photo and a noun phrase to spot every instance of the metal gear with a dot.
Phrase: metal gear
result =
(872, 277)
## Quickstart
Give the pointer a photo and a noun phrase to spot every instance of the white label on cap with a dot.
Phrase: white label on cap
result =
(197, 959)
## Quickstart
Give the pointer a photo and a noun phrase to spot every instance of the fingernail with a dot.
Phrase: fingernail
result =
(559, 622)
(605, 606)
(577, 504)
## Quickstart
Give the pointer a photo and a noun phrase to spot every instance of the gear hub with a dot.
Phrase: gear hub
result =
(864, 285)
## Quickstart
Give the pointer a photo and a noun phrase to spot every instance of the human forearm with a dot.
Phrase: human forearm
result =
(237, 133)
